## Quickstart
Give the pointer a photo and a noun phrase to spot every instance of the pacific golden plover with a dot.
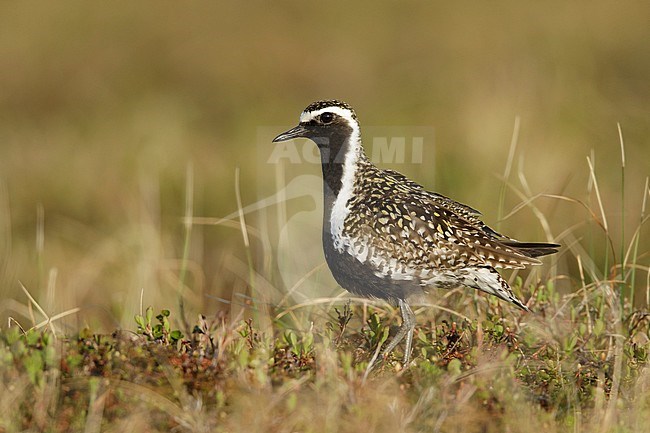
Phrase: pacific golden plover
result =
(385, 236)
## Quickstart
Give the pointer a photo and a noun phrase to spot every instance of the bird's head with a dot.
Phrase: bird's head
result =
(325, 123)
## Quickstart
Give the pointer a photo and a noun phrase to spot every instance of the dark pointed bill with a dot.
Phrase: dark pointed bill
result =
(297, 132)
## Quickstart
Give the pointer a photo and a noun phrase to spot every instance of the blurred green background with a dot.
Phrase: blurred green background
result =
(104, 106)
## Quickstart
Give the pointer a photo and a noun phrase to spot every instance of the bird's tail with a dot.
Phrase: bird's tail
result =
(533, 249)
(488, 280)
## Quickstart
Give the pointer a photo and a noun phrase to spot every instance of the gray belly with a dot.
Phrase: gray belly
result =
(361, 278)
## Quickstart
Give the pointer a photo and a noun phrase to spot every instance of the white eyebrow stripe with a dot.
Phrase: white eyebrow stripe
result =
(307, 116)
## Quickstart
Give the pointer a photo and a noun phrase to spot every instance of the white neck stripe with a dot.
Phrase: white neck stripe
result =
(340, 209)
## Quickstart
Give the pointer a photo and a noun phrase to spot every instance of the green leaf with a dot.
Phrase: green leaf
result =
(12, 335)
(570, 343)
(34, 365)
(32, 337)
(384, 336)
(599, 327)
(582, 329)
(243, 358)
(157, 331)
(166, 325)
(308, 342)
(454, 366)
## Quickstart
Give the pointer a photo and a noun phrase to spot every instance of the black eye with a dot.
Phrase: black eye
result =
(326, 117)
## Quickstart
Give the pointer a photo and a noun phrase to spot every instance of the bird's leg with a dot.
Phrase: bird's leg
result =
(408, 321)
(406, 330)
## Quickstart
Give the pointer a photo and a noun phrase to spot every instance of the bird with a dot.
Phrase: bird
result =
(385, 236)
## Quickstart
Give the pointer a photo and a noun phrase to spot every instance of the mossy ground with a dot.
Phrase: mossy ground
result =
(503, 371)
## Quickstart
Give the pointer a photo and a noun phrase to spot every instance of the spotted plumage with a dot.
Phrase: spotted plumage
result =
(385, 236)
